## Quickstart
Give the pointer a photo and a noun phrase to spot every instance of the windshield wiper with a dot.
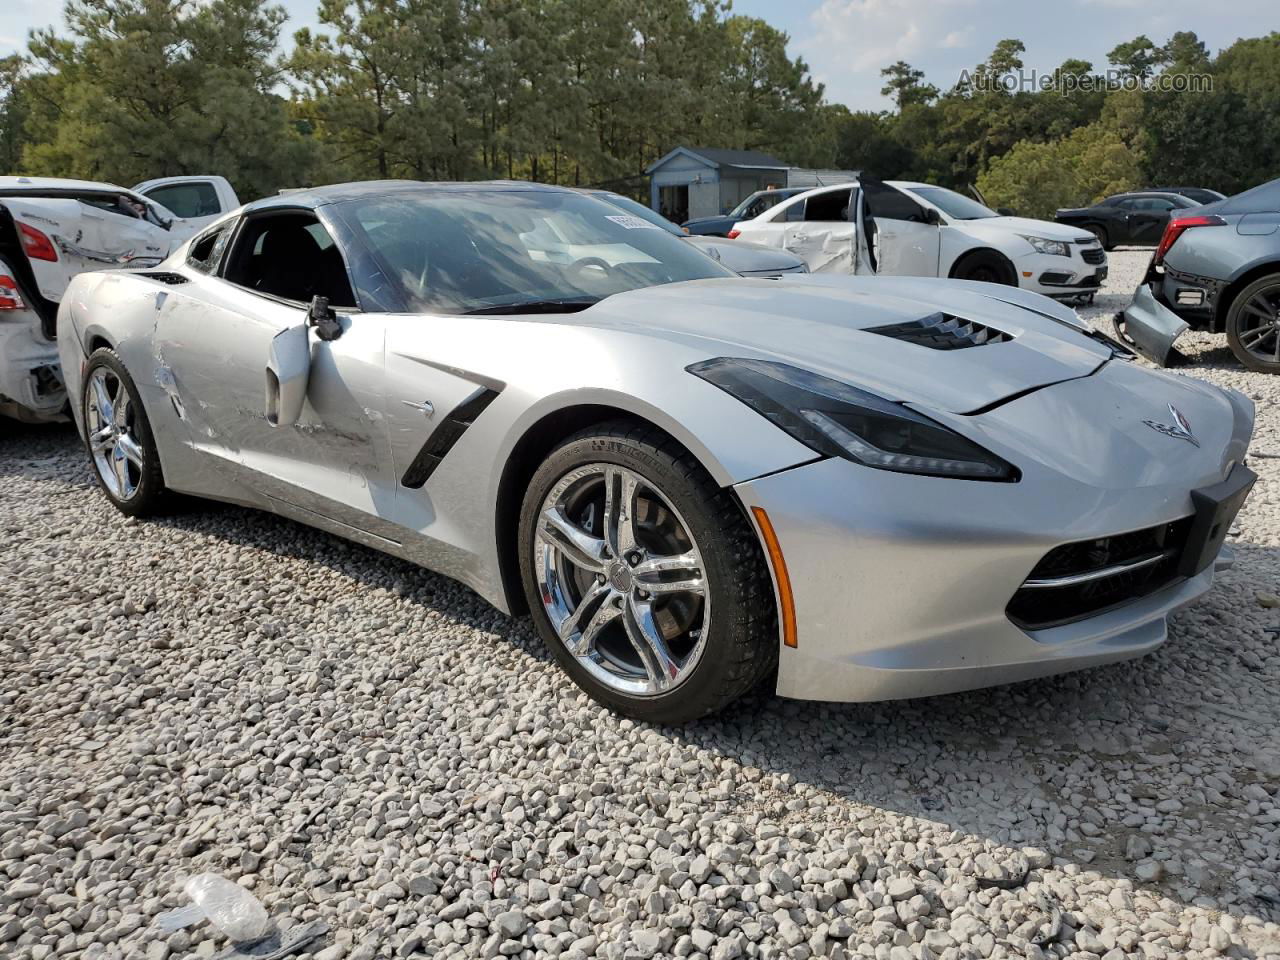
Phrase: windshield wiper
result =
(561, 305)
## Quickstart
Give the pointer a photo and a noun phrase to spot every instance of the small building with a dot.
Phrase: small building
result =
(707, 181)
(693, 182)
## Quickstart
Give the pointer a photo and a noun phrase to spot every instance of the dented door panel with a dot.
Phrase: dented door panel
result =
(212, 345)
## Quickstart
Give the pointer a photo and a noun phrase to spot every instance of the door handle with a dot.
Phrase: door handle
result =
(423, 405)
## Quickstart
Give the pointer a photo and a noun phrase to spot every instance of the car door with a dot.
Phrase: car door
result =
(821, 232)
(903, 239)
(1148, 218)
(213, 340)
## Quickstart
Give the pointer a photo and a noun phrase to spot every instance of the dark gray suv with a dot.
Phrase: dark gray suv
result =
(1217, 268)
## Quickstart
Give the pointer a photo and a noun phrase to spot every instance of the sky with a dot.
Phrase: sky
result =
(847, 42)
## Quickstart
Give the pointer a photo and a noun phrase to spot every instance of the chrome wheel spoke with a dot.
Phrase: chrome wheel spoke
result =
(120, 406)
(101, 400)
(581, 628)
(650, 645)
(681, 573)
(129, 447)
(102, 440)
(579, 547)
(620, 488)
(120, 467)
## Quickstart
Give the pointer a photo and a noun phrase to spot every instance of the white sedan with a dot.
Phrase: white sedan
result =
(899, 228)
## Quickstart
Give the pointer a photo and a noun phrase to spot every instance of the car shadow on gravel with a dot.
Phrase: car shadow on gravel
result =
(1180, 739)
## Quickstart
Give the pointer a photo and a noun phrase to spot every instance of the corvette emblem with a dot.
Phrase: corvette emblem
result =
(1180, 429)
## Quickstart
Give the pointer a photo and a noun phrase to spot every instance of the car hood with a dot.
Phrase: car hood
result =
(824, 324)
(1025, 226)
(742, 256)
(702, 221)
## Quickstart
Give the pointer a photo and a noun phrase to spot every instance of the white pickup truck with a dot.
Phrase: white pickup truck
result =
(50, 231)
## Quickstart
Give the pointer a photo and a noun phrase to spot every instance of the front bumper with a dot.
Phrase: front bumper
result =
(1062, 277)
(901, 583)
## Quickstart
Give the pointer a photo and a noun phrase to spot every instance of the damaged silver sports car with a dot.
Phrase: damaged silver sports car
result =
(855, 488)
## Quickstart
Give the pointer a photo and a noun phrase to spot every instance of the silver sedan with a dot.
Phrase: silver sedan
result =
(853, 488)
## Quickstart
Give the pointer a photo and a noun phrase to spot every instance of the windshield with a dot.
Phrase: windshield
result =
(466, 251)
(757, 204)
(954, 205)
(627, 205)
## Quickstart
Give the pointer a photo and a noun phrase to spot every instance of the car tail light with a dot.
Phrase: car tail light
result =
(734, 234)
(36, 245)
(1176, 228)
(10, 299)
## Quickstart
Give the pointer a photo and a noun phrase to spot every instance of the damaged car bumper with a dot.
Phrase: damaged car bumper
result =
(31, 385)
(1151, 327)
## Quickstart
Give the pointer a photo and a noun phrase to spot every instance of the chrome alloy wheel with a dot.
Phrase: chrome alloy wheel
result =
(621, 579)
(110, 422)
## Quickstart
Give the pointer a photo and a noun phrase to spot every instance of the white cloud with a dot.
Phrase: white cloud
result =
(852, 40)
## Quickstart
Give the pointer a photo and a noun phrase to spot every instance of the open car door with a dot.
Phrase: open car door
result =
(824, 234)
(902, 239)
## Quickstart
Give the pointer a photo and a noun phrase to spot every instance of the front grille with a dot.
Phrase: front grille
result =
(1094, 255)
(1071, 583)
(942, 331)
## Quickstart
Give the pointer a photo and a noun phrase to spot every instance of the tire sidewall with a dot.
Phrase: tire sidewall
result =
(1247, 359)
(150, 486)
(703, 684)
(976, 261)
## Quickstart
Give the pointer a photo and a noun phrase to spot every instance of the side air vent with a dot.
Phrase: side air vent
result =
(941, 331)
(173, 279)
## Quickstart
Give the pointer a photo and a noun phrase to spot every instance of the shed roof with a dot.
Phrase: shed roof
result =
(719, 158)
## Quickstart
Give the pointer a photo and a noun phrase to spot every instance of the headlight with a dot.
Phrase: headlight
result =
(842, 421)
(1056, 248)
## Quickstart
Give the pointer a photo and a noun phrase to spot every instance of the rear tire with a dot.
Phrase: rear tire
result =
(1253, 325)
(986, 267)
(118, 438)
(632, 640)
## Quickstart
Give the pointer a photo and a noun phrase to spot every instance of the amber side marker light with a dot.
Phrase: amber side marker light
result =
(779, 564)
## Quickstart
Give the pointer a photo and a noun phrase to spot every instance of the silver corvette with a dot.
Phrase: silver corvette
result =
(858, 488)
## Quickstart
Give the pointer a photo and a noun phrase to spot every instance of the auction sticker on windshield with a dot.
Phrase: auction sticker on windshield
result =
(633, 223)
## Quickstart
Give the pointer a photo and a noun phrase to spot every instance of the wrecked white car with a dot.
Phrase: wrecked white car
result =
(50, 231)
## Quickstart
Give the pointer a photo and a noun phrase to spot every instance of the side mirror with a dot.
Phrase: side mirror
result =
(288, 373)
(321, 316)
(932, 217)
(1005, 212)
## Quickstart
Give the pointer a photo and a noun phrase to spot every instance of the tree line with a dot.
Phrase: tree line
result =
(589, 93)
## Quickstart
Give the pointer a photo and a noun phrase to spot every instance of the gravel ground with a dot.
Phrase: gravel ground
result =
(361, 742)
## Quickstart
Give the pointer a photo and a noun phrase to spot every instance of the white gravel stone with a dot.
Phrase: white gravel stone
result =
(364, 743)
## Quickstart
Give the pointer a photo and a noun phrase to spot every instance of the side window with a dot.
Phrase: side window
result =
(185, 200)
(289, 255)
(206, 250)
(829, 207)
(886, 203)
(1127, 203)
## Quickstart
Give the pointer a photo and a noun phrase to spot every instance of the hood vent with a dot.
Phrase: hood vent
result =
(942, 331)
(173, 279)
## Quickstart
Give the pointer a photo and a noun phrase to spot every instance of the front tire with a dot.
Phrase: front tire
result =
(1101, 234)
(1253, 325)
(986, 267)
(118, 437)
(643, 577)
